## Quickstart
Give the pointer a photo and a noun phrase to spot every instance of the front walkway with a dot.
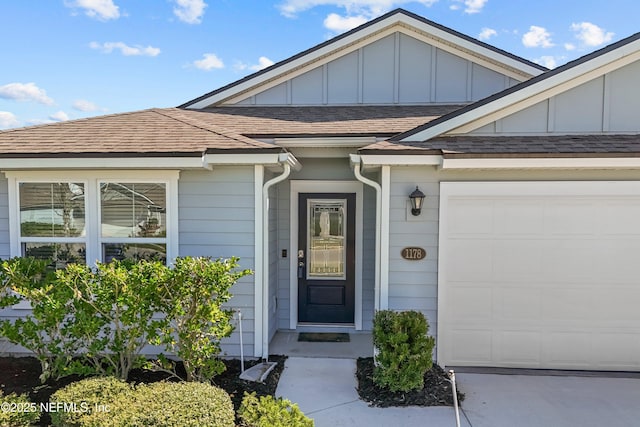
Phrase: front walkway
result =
(325, 390)
(286, 343)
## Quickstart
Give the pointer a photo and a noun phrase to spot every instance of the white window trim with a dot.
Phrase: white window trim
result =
(91, 180)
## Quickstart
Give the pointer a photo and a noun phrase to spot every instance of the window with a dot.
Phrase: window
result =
(89, 216)
(52, 221)
(133, 221)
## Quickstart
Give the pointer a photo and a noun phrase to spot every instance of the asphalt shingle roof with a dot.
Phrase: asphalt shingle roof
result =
(175, 131)
(516, 146)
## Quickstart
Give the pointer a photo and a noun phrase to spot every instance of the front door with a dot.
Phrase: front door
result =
(326, 257)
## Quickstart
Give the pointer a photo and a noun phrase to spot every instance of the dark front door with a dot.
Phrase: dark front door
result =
(326, 257)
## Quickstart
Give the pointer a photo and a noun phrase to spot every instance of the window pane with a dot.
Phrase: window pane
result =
(135, 252)
(52, 209)
(60, 254)
(326, 239)
(133, 209)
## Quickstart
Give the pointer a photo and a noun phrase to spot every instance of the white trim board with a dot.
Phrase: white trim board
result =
(323, 187)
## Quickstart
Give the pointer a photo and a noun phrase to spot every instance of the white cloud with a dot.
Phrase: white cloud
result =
(84, 105)
(99, 9)
(8, 120)
(368, 8)
(470, 6)
(263, 62)
(126, 50)
(25, 92)
(208, 62)
(59, 116)
(339, 24)
(590, 34)
(569, 46)
(189, 11)
(547, 61)
(486, 34)
(537, 37)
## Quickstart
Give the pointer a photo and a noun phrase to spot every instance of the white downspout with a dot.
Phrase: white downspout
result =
(284, 159)
(355, 160)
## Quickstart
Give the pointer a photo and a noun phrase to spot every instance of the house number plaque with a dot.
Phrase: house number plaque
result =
(413, 253)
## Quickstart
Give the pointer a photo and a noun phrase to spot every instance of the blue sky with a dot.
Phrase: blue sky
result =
(69, 59)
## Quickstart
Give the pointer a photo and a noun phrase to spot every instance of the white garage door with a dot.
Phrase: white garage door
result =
(540, 275)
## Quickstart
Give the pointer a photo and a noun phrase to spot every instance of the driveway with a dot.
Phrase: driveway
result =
(559, 401)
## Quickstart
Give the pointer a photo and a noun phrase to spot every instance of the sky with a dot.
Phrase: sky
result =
(69, 59)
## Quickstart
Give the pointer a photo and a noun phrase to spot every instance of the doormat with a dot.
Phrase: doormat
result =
(323, 337)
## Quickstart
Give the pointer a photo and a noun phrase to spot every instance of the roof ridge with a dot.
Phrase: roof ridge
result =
(210, 127)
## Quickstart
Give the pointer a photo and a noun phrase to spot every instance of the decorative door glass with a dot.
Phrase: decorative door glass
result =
(326, 240)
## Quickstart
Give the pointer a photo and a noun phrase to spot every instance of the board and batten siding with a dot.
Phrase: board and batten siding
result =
(607, 104)
(413, 285)
(396, 69)
(216, 219)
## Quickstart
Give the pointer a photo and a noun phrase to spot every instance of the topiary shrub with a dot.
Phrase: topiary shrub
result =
(404, 351)
(167, 404)
(267, 411)
(87, 396)
(17, 411)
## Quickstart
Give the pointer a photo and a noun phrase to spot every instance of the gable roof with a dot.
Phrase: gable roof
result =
(154, 132)
(525, 94)
(400, 18)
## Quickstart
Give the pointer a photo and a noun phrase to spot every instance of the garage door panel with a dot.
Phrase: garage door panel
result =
(540, 275)
(473, 347)
(471, 261)
(518, 347)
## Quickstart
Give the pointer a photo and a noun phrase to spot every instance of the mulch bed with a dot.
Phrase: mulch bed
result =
(20, 375)
(437, 389)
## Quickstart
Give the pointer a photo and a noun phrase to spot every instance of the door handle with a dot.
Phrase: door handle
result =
(301, 270)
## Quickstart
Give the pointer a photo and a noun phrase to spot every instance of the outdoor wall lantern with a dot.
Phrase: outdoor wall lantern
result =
(416, 198)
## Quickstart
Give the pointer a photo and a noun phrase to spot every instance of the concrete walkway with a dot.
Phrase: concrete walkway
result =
(325, 390)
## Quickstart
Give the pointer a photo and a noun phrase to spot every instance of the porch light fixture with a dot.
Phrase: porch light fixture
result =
(416, 198)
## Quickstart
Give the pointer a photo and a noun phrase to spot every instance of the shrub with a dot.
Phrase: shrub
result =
(404, 350)
(167, 404)
(194, 292)
(114, 309)
(44, 330)
(87, 395)
(267, 411)
(17, 411)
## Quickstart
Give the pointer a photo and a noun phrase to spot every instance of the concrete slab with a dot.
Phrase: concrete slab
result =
(559, 401)
(325, 390)
(360, 345)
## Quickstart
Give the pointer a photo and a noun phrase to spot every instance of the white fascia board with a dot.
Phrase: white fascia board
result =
(543, 163)
(449, 42)
(103, 163)
(400, 160)
(270, 159)
(534, 93)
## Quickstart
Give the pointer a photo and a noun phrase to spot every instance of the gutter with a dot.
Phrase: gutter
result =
(356, 162)
(288, 162)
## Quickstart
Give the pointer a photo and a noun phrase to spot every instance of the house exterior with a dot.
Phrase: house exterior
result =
(523, 255)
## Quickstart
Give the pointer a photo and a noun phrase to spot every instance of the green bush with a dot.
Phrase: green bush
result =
(194, 292)
(17, 411)
(167, 404)
(404, 351)
(267, 411)
(44, 330)
(88, 395)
